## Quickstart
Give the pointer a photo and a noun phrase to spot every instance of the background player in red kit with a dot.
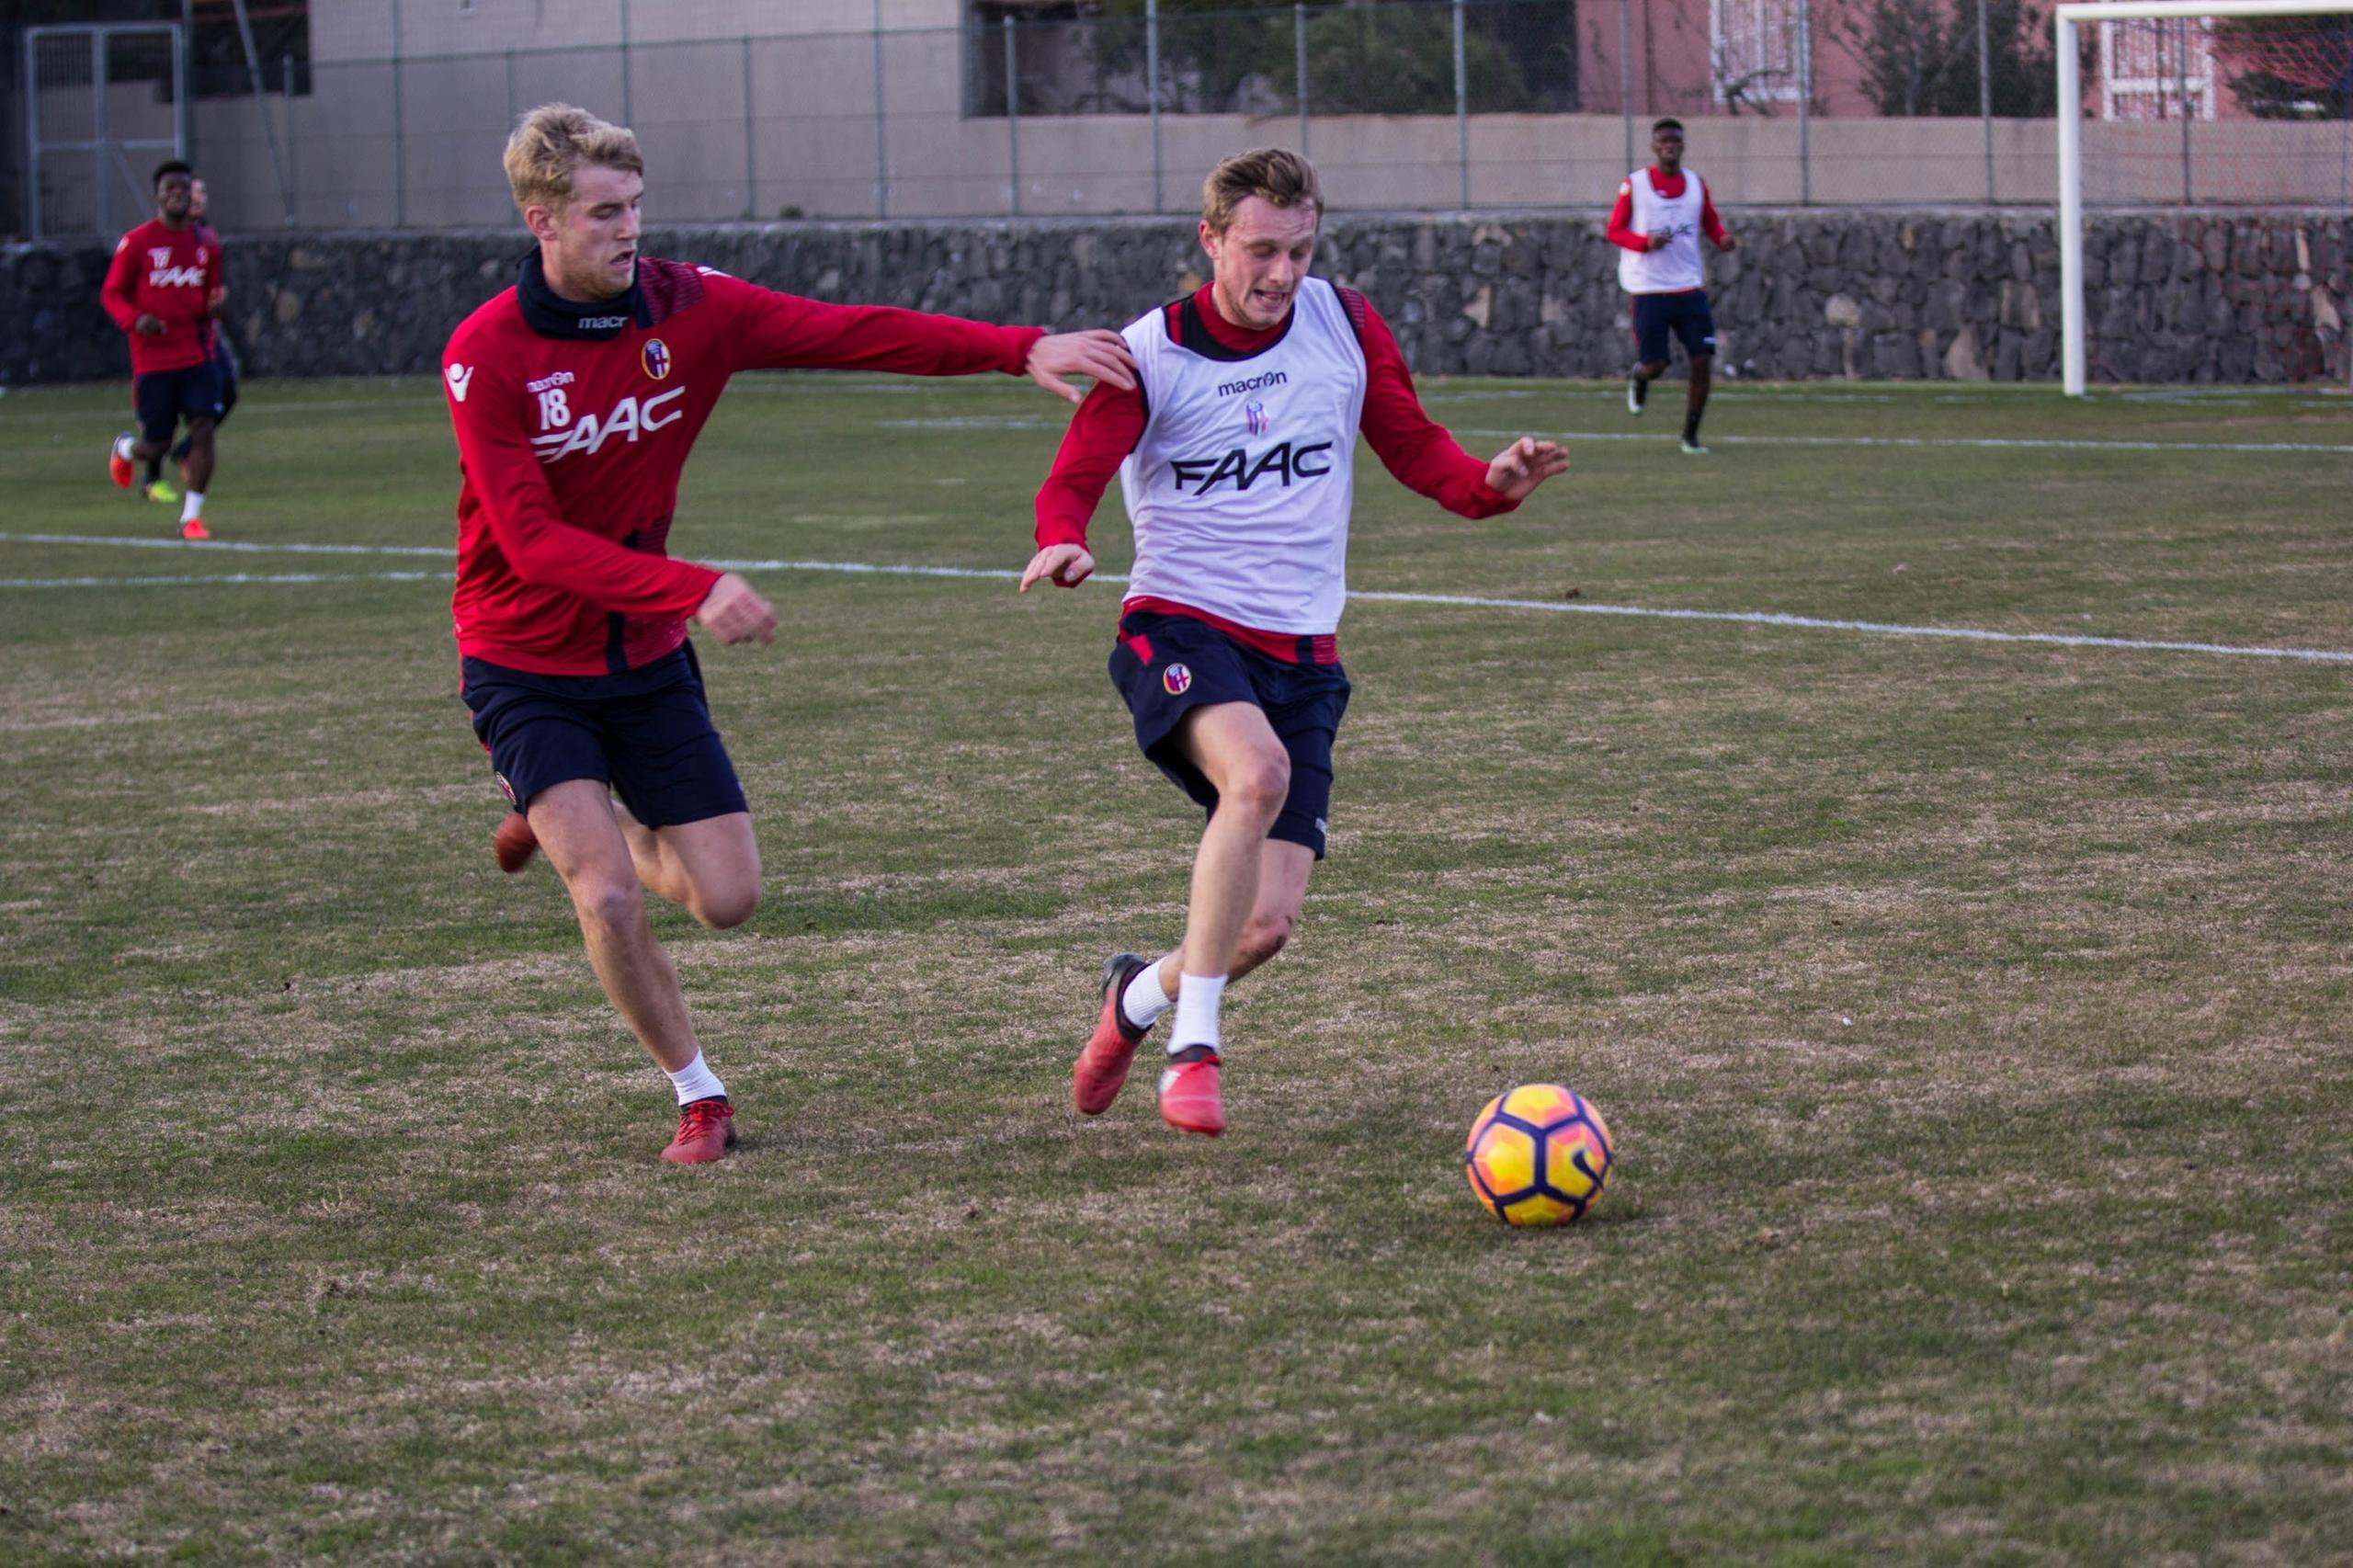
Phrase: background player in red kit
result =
(1235, 453)
(576, 395)
(1661, 212)
(162, 288)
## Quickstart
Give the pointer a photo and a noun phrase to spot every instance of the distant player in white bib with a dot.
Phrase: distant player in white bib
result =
(1236, 455)
(1661, 213)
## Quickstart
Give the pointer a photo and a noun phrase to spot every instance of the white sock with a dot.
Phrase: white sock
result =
(1197, 999)
(695, 1081)
(122, 448)
(193, 507)
(1144, 1001)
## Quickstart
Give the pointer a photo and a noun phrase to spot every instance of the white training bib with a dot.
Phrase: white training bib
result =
(1240, 487)
(1677, 266)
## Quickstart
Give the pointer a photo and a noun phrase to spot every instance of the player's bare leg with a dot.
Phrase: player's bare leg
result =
(1696, 402)
(1238, 752)
(1638, 383)
(574, 823)
(711, 868)
(200, 477)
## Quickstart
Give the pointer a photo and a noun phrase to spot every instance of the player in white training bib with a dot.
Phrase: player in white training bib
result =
(1661, 213)
(1235, 456)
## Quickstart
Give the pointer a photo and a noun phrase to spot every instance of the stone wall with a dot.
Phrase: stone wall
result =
(2198, 296)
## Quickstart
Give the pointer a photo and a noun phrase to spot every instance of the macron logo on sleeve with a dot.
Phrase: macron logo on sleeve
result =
(461, 376)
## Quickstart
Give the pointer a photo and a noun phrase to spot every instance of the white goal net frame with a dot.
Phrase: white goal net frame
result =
(2069, 18)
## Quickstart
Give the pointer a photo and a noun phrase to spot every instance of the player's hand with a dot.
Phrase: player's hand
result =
(1100, 354)
(149, 326)
(1662, 239)
(1731, 241)
(733, 612)
(1064, 565)
(1527, 462)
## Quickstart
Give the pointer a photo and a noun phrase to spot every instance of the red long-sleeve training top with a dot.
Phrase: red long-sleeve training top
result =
(169, 274)
(570, 449)
(1621, 217)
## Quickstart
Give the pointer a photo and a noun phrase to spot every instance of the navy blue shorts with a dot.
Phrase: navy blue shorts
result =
(1166, 665)
(647, 732)
(1684, 314)
(164, 397)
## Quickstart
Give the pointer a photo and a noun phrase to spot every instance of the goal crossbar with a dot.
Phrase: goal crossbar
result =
(2070, 133)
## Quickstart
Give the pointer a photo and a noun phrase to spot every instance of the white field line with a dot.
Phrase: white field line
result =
(870, 568)
(1999, 443)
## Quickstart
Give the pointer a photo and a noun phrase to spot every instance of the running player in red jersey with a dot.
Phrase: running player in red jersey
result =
(576, 396)
(1661, 213)
(1235, 453)
(162, 288)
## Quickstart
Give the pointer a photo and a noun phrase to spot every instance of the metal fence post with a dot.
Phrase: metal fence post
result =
(1152, 88)
(1626, 74)
(1805, 103)
(1986, 96)
(1299, 66)
(751, 157)
(882, 155)
(101, 173)
(1012, 118)
(1461, 113)
(400, 159)
(2181, 97)
(626, 116)
(33, 135)
(293, 144)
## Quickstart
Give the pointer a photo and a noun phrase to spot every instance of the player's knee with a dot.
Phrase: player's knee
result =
(1260, 785)
(612, 904)
(724, 908)
(1652, 369)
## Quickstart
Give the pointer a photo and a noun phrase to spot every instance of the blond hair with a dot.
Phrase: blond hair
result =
(1279, 175)
(552, 142)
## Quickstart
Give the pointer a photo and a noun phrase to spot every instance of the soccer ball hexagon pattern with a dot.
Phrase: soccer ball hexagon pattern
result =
(1538, 1155)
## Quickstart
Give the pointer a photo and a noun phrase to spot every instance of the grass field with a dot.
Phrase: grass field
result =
(1973, 1016)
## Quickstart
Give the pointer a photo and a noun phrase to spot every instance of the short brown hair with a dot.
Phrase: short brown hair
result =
(1281, 176)
(552, 142)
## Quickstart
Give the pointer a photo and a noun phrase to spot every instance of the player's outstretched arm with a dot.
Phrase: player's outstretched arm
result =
(733, 612)
(1099, 353)
(1527, 462)
(1063, 565)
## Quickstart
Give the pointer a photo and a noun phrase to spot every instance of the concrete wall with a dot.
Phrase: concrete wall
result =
(2189, 297)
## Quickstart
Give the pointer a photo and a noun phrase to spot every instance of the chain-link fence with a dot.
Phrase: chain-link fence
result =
(1041, 107)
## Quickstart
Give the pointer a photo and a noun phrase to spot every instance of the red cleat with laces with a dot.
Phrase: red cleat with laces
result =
(513, 843)
(706, 1130)
(194, 528)
(1188, 1096)
(1102, 1067)
(119, 466)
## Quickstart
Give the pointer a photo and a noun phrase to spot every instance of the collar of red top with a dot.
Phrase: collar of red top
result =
(549, 314)
(1666, 184)
(1240, 340)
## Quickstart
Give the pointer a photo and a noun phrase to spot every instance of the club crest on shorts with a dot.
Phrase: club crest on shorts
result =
(1254, 415)
(1175, 679)
(507, 790)
(657, 356)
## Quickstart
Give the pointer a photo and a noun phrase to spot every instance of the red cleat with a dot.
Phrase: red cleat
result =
(117, 466)
(1188, 1096)
(1102, 1067)
(513, 843)
(194, 528)
(706, 1130)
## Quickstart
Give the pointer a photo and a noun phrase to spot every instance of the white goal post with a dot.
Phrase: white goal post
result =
(2070, 133)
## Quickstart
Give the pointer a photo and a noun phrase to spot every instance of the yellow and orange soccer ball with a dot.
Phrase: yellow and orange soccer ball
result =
(1538, 1155)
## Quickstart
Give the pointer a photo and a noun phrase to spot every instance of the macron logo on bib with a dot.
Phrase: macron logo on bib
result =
(461, 376)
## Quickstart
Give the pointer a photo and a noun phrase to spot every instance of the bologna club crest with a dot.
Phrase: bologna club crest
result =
(1254, 414)
(656, 354)
(1175, 679)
